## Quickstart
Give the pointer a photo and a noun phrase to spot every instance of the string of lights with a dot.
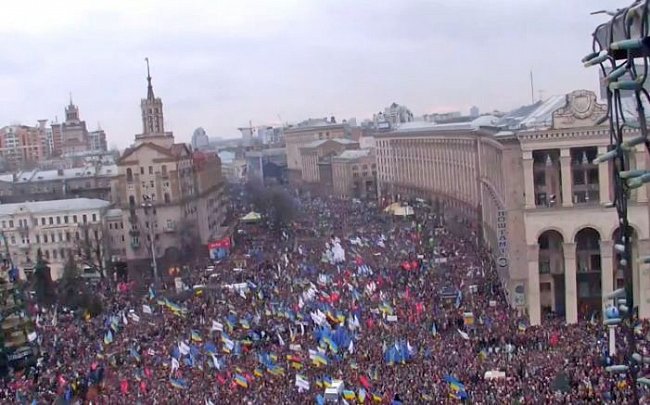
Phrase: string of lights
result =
(621, 49)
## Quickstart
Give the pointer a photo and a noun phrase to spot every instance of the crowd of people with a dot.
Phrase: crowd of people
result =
(386, 309)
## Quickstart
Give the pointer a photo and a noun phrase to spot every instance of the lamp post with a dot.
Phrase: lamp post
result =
(147, 205)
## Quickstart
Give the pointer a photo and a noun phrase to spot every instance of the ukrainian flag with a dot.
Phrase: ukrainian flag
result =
(330, 343)
(178, 383)
(258, 372)
(276, 370)
(349, 395)
(196, 337)
(319, 359)
(241, 381)
(108, 338)
(376, 398)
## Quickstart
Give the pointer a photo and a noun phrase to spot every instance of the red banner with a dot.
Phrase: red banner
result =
(220, 244)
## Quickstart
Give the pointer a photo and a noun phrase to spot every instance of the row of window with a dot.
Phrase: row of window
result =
(129, 172)
(58, 220)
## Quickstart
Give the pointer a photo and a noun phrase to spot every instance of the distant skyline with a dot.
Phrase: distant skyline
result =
(220, 64)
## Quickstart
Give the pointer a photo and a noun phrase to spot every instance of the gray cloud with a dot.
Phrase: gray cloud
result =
(219, 64)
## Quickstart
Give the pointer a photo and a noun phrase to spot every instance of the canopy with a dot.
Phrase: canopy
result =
(391, 208)
(403, 211)
(251, 217)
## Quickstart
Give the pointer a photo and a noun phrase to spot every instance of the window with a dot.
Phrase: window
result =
(47, 254)
(11, 223)
(35, 222)
(151, 183)
(44, 238)
(38, 238)
(150, 169)
(84, 218)
(67, 236)
(43, 221)
(60, 237)
(62, 252)
(65, 219)
(51, 221)
(129, 174)
(167, 199)
(94, 217)
(122, 238)
(58, 220)
(132, 201)
(141, 169)
(121, 225)
(163, 170)
(13, 240)
(54, 253)
(4, 224)
(76, 236)
(74, 219)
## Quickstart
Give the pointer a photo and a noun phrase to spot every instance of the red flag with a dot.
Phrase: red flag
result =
(365, 382)
(124, 387)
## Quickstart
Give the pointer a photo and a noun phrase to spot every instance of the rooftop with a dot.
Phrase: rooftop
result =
(342, 141)
(353, 154)
(114, 213)
(44, 207)
(36, 175)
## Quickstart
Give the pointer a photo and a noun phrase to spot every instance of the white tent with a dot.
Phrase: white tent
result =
(251, 217)
(403, 211)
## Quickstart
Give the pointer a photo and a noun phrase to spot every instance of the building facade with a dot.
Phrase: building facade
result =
(534, 197)
(354, 174)
(22, 146)
(92, 180)
(302, 134)
(57, 228)
(313, 153)
(170, 198)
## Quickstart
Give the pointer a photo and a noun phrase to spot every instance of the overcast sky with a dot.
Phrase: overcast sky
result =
(218, 64)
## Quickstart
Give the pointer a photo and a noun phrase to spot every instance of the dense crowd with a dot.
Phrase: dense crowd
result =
(397, 308)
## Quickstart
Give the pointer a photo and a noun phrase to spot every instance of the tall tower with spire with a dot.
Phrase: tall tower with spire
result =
(153, 129)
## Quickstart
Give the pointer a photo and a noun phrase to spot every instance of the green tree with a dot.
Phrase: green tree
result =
(42, 281)
(70, 283)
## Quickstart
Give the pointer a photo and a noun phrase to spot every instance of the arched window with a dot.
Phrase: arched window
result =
(129, 174)
(132, 201)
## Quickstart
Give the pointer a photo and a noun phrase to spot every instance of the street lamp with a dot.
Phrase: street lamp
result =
(152, 236)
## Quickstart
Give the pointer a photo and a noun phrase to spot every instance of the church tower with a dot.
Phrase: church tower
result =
(72, 112)
(153, 129)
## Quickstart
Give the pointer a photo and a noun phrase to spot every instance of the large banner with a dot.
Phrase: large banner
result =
(219, 248)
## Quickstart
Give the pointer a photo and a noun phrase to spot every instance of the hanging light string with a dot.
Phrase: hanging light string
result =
(623, 61)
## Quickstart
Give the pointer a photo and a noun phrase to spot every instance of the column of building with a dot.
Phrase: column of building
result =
(570, 283)
(529, 180)
(607, 268)
(567, 177)
(534, 304)
(604, 178)
(643, 272)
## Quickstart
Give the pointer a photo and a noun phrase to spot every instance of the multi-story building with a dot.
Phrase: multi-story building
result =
(93, 180)
(354, 174)
(304, 133)
(169, 197)
(57, 228)
(266, 164)
(313, 153)
(72, 135)
(97, 141)
(200, 140)
(22, 146)
(534, 196)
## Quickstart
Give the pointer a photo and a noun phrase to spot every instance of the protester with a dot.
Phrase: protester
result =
(396, 308)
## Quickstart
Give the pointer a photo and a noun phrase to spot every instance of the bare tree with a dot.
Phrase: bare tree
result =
(94, 247)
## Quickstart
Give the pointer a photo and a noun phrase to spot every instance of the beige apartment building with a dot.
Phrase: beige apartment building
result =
(22, 146)
(354, 174)
(172, 199)
(57, 228)
(530, 187)
(313, 153)
(302, 134)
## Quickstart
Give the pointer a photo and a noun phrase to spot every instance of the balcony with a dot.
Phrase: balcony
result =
(134, 232)
(135, 244)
